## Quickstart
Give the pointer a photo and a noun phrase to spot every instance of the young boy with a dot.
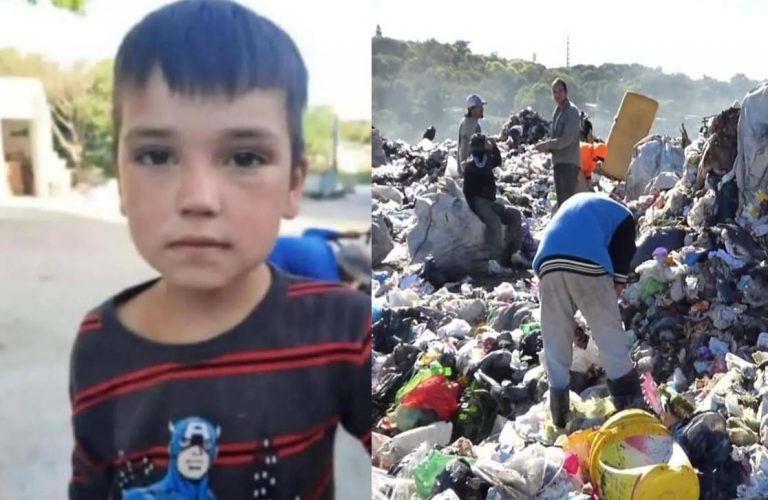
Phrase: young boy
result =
(224, 377)
(480, 192)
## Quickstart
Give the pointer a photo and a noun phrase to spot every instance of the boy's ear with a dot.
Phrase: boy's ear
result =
(296, 188)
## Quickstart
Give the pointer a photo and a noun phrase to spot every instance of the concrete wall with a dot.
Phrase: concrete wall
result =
(24, 99)
(15, 145)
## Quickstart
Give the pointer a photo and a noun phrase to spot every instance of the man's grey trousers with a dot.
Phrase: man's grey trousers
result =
(562, 294)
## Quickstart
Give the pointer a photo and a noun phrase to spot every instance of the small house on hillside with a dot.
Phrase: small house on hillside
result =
(28, 163)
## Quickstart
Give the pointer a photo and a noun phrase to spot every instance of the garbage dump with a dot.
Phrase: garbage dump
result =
(459, 393)
(525, 127)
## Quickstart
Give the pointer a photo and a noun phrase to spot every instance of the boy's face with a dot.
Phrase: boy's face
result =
(204, 181)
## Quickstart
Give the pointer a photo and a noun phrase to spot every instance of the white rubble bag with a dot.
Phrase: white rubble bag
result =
(751, 163)
(650, 157)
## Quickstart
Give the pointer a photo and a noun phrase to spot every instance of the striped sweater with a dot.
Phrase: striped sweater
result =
(591, 234)
(251, 413)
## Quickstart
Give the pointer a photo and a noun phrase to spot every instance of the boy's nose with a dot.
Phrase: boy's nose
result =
(198, 192)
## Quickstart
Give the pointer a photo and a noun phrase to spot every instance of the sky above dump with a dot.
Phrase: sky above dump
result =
(339, 60)
(717, 38)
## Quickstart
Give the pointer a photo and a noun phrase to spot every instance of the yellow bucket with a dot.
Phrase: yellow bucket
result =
(634, 457)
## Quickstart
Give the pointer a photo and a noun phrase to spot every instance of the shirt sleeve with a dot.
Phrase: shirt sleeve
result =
(356, 418)
(570, 132)
(325, 234)
(91, 476)
(622, 249)
(495, 156)
(461, 144)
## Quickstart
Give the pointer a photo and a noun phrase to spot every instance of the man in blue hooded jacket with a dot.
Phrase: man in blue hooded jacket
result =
(311, 255)
(582, 264)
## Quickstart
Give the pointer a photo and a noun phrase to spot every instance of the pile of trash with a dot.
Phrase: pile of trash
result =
(459, 393)
(525, 127)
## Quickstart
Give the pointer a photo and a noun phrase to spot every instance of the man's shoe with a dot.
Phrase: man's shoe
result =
(626, 392)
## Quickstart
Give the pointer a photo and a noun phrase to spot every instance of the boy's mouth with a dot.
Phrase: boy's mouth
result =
(198, 242)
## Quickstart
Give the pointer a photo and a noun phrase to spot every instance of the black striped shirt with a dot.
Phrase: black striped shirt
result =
(251, 413)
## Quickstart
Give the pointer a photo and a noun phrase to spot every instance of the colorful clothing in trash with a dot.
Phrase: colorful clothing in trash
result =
(591, 234)
(251, 413)
(309, 255)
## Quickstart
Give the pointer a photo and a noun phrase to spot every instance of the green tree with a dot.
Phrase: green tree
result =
(420, 83)
(538, 97)
(79, 99)
(355, 131)
(77, 6)
(318, 135)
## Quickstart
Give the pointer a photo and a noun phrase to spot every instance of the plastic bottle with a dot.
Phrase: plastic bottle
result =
(552, 196)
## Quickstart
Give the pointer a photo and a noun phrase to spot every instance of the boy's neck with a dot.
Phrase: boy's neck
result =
(173, 315)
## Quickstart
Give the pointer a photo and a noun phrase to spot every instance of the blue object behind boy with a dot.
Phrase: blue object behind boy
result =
(308, 255)
(208, 104)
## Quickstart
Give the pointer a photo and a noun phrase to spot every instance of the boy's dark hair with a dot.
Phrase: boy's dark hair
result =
(205, 47)
(477, 142)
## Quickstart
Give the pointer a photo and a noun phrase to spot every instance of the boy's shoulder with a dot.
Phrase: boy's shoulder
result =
(324, 304)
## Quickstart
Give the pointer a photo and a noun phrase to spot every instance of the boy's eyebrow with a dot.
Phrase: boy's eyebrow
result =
(148, 133)
(248, 133)
(229, 133)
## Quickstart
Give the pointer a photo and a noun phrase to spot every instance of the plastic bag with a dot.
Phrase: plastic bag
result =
(435, 393)
(385, 487)
(505, 292)
(459, 478)
(456, 328)
(426, 472)
(580, 443)
(402, 298)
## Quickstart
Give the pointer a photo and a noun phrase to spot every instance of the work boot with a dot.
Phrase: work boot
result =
(626, 392)
(559, 404)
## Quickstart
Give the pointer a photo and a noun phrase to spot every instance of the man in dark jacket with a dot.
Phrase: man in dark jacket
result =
(480, 191)
(582, 263)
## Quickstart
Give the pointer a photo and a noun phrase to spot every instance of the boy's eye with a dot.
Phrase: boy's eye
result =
(153, 157)
(246, 159)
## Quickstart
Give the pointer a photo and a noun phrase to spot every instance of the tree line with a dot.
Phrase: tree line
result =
(417, 84)
(80, 99)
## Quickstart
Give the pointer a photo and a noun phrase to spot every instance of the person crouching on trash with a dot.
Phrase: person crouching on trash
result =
(480, 191)
(582, 264)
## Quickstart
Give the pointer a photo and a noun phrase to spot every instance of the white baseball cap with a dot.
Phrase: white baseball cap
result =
(474, 101)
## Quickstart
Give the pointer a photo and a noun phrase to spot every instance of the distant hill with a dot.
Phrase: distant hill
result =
(416, 84)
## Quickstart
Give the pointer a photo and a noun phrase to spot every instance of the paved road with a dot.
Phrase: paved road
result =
(53, 267)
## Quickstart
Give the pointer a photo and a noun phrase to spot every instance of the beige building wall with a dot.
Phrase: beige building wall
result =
(23, 104)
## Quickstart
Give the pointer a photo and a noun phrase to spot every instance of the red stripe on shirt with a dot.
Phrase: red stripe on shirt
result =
(319, 290)
(367, 340)
(238, 453)
(313, 284)
(90, 323)
(252, 356)
(322, 484)
(299, 447)
(366, 439)
(223, 371)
